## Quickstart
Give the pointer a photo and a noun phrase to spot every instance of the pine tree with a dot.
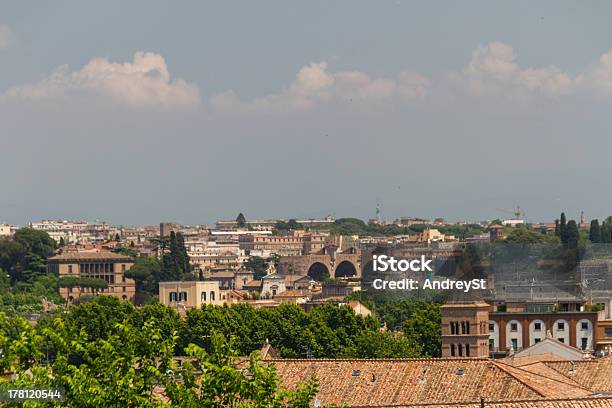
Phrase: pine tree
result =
(174, 261)
(62, 243)
(241, 220)
(572, 234)
(557, 229)
(595, 232)
(183, 258)
(563, 229)
(605, 233)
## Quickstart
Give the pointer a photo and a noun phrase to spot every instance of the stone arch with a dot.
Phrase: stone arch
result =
(345, 269)
(318, 271)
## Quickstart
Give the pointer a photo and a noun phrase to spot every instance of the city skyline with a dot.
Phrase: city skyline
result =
(432, 110)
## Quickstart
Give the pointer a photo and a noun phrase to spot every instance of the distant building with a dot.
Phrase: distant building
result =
(105, 265)
(291, 244)
(165, 228)
(409, 221)
(5, 230)
(76, 232)
(190, 294)
(510, 331)
(272, 285)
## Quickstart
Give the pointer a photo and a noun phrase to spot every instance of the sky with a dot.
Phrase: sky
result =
(147, 111)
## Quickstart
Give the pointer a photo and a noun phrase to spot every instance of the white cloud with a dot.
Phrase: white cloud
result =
(315, 85)
(143, 83)
(6, 36)
(598, 78)
(493, 70)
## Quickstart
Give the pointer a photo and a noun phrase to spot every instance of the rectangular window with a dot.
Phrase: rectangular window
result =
(537, 326)
(537, 340)
(514, 344)
(452, 350)
(584, 343)
(491, 327)
(561, 326)
(608, 332)
(491, 344)
(122, 268)
(69, 268)
(513, 327)
(561, 339)
(584, 326)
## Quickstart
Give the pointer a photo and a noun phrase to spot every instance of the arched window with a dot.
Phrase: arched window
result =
(203, 297)
(452, 350)
(212, 296)
(460, 350)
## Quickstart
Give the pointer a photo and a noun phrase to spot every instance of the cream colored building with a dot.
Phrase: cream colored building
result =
(431, 235)
(5, 230)
(190, 294)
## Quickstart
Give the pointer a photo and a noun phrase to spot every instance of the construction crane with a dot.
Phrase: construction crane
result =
(518, 212)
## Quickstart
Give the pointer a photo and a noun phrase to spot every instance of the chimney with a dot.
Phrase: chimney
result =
(482, 402)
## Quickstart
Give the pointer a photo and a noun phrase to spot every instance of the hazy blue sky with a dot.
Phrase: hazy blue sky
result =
(138, 112)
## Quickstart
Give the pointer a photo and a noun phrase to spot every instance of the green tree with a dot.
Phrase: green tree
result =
(606, 238)
(223, 385)
(147, 273)
(563, 228)
(241, 220)
(595, 232)
(258, 265)
(526, 236)
(572, 235)
(24, 256)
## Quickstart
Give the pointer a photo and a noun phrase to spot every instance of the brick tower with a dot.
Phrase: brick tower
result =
(465, 329)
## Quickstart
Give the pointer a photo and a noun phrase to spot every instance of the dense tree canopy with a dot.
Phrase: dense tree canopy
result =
(132, 365)
(24, 256)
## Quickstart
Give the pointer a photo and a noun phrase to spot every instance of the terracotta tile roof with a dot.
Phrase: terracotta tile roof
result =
(293, 278)
(556, 386)
(89, 256)
(595, 375)
(404, 381)
(588, 402)
(293, 294)
(544, 370)
(521, 361)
